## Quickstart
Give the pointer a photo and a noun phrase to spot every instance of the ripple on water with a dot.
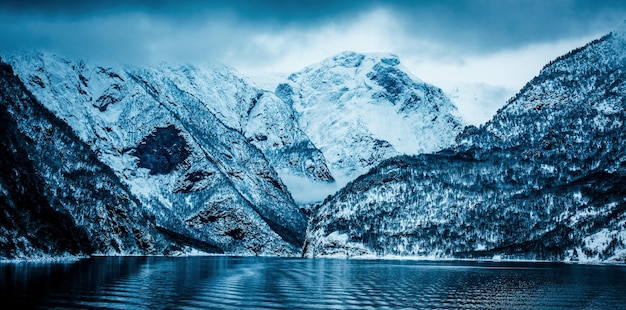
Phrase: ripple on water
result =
(277, 283)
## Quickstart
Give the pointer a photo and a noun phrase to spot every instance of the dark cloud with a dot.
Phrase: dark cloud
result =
(256, 11)
(527, 18)
(132, 31)
(190, 30)
(484, 26)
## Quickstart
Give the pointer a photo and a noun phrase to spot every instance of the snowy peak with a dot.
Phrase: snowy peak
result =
(366, 62)
(260, 116)
(345, 59)
(222, 89)
(353, 71)
(360, 109)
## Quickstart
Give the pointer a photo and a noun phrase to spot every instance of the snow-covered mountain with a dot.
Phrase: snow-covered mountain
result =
(183, 140)
(166, 159)
(360, 109)
(206, 155)
(544, 179)
(57, 198)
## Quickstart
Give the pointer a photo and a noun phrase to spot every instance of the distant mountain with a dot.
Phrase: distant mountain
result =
(544, 179)
(360, 109)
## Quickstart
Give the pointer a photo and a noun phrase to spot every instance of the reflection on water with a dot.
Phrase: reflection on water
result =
(281, 283)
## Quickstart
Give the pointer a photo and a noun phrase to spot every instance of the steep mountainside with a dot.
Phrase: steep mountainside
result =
(56, 197)
(267, 122)
(178, 138)
(360, 109)
(544, 179)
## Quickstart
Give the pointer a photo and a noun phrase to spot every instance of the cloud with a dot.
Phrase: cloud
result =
(480, 84)
(304, 190)
(273, 13)
(507, 67)
(499, 44)
(486, 26)
(224, 29)
(129, 37)
(291, 49)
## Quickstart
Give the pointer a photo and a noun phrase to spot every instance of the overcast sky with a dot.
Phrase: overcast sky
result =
(480, 52)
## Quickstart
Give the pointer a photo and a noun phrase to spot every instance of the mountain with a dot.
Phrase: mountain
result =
(544, 179)
(57, 198)
(360, 109)
(187, 143)
(203, 155)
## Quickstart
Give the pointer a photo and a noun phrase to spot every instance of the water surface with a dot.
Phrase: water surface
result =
(287, 283)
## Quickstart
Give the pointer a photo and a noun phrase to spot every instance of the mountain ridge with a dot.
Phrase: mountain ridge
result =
(44, 199)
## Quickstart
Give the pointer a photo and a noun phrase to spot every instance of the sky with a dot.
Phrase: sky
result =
(480, 52)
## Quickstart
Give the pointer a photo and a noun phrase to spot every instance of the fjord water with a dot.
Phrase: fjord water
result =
(284, 283)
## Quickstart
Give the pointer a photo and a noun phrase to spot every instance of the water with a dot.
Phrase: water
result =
(282, 283)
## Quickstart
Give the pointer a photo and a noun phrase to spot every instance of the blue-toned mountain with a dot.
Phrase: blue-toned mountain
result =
(178, 138)
(544, 179)
(57, 198)
(208, 160)
(360, 109)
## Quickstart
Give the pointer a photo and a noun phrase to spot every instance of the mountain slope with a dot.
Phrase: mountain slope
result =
(57, 198)
(360, 109)
(176, 150)
(267, 122)
(544, 179)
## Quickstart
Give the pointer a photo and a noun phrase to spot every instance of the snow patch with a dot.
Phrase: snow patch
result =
(337, 237)
(548, 169)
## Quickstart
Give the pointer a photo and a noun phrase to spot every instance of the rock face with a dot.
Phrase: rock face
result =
(57, 198)
(179, 139)
(360, 109)
(544, 179)
(272, 127)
